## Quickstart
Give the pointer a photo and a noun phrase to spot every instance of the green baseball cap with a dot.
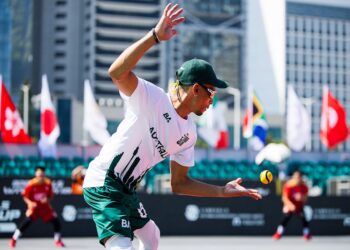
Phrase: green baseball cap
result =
(198, 71)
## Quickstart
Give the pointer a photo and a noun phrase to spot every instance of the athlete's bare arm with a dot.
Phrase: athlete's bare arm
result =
(289, 206)
(30, 204)
(182, 184)
(121, 69)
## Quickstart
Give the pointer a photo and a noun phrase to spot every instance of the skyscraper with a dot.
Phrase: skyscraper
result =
(317, 54)
(5, 42)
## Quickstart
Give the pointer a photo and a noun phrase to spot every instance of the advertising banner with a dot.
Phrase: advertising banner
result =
(178, 215)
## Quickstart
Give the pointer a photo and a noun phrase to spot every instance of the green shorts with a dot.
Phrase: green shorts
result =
(115, 209)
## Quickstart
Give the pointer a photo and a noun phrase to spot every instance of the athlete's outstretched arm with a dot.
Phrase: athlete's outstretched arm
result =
(182, 184)
(121, 69)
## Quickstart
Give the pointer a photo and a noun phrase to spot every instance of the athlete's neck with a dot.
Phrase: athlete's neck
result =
(179, 105)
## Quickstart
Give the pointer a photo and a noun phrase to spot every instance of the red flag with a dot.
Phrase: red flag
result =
(333, 121)
(11, 125)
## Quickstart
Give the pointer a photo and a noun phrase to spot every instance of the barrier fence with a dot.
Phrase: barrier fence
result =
(180, 215)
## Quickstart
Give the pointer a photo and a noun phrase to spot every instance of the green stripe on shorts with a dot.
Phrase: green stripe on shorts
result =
(115, 209)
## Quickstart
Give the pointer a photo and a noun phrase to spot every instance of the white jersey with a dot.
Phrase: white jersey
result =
(150, 132)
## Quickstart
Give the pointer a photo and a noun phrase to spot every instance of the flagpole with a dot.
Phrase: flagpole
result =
(25, 89)
(325, 96)
(236, 116)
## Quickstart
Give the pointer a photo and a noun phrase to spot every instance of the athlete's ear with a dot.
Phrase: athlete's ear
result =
(195, 88)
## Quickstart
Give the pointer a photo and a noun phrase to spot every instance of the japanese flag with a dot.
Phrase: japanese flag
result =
(49, 129)
(11, 125)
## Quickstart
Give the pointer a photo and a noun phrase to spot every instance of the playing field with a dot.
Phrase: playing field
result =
(199, 243)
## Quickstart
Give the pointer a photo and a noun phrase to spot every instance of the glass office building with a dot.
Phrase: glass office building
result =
(317, 54)
(114, 26)
(5, 42)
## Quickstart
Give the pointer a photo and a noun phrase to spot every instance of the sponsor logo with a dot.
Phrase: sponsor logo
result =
(195, 213)
(167, 117)
(125, 223)
(192, 212)
(159, 146)
(60, 186)
(69, 213)
(183, 139)
(7, 215)
(142, 211)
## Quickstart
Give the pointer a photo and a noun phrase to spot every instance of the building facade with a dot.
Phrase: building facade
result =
(5, 42)
(318, 54)
(267, 45)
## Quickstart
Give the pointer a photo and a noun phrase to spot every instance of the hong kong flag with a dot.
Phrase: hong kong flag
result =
(333, 121)
(11, 125)
(49, 129)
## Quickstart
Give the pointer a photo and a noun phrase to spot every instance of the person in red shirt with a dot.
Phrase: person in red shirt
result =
(294, 197)
(37, 195)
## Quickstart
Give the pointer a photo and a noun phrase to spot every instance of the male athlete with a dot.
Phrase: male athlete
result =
(156, 125)
(37, 195)
(294, 197)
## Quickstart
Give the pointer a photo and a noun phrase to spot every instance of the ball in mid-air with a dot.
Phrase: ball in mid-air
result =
(266, 177)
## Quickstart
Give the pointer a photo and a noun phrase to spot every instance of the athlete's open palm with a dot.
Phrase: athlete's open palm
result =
(234, 189)
(169, 20)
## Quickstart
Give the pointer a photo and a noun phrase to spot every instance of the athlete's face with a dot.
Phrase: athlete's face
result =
(204, 97)
(297, 177)
(40, 174)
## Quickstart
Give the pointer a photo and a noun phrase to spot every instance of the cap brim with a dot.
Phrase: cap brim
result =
(220, 84)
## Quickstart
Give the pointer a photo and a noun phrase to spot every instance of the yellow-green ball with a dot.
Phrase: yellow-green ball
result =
(266, 177)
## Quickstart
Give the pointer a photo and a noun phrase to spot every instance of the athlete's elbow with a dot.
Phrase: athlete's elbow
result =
(178, 186)
(113, 73)
(175, 188)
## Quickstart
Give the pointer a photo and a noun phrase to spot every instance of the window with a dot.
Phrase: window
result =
(300, 24)
(316, 76)
(308, 42)
(59, 80)
(300, 41)
(61, 15)
(291, 23)
(324, 27)
(316, 25)
(291, 41)
(308, 25)
(60, 41)
(60, 28)
(332, 27)
(60, 2)
(59, 54)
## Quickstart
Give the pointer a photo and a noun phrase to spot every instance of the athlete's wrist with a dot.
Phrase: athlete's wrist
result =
(155, 36)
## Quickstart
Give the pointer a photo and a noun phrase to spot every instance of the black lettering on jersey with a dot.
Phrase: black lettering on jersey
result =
(183, 139)
(167, 117)
(158, 145)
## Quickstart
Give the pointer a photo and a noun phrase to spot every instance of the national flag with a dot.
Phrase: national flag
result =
(213, 127)
(298, 122)
(254, 123)
(94, 121)
(49, 129)
(11, 125)
(334, 129)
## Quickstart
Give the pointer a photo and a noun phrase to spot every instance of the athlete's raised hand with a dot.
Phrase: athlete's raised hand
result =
(234, 189)
(169, 20)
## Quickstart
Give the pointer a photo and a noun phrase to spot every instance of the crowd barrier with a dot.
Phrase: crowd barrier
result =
(180, 215)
